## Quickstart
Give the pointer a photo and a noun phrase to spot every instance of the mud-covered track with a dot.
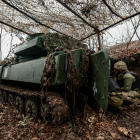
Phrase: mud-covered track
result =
(51, 107)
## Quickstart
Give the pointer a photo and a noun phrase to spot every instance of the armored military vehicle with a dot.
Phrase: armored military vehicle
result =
(49, 74)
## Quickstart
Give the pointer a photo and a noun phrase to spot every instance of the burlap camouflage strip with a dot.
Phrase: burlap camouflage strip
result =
(77, 77)
(47, 73)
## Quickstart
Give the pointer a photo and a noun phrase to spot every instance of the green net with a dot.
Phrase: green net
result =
(53, 40)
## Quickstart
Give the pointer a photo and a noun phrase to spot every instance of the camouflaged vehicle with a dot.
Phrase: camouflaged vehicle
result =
(51, 73)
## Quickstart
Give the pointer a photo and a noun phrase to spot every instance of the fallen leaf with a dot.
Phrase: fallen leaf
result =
(123, 130)
(87, 134)
(35, 138)
(100, 138)
(113, 135)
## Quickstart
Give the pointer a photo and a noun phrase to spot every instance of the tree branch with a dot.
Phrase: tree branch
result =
(32, 17)
(14, 27)
(110, 26)
(93, 26)
(134, 29)
(133, 34)
(112, 11)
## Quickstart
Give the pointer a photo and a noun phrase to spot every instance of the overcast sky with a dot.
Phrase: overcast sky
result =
(6, 42)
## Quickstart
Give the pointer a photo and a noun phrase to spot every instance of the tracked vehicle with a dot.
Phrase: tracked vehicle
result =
(50, 74)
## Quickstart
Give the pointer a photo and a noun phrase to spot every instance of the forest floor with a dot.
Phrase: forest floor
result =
(90, 125)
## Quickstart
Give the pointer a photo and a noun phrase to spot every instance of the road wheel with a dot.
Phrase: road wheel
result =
(5, 96)
(19, 104)
(45, 112)
(11, 98)
(32, 110)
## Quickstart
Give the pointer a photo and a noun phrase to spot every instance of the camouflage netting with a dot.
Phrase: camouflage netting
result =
(79, 19)
(84, 20)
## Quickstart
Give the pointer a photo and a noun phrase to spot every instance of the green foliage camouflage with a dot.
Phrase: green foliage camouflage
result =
(53, 40)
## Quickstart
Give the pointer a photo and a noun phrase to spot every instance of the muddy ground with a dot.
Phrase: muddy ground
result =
(90, 125)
